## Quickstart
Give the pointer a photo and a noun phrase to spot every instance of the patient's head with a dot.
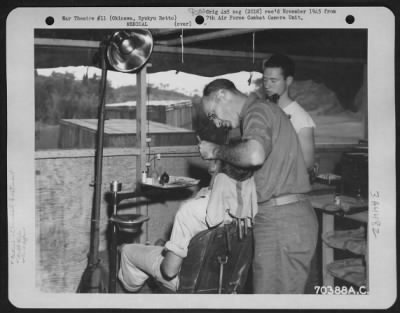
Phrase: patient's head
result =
(234, 172)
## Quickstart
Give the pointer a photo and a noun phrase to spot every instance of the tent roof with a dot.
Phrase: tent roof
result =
(209, 52)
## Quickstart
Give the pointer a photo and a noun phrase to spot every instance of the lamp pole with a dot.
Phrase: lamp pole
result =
(92, 279)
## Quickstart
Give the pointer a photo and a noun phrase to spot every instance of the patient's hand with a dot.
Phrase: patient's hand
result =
(214, 167)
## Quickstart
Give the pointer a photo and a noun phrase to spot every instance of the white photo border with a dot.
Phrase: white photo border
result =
(20, 27)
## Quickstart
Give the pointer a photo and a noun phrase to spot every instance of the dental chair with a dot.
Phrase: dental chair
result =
(218, 261)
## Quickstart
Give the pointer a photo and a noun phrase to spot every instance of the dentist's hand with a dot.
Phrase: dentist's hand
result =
(208, 150)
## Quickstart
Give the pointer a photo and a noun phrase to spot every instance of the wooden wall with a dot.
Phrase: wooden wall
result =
(63, 209)
(75, 136)
(154, 112)
(175, 115)
(179, 116)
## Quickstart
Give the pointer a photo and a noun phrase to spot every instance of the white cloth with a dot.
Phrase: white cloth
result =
(298, 116)
(210, 208)
(231, 198)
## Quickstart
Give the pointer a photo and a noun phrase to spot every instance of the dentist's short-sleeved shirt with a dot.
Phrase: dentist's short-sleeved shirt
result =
(284, 170)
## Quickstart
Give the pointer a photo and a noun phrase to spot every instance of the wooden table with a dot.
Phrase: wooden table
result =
(328, 224)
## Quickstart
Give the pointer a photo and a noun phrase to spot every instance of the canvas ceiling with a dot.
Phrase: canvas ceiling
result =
(208, 52)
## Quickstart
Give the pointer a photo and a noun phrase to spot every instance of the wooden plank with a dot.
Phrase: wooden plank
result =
(141, 134)
(327, 252)
(90, 124)
(364, 102)
(319, 201)
(124, 126)
(165, 31)
(207, 36)
(360, 217)
(141, 120)
(197, 51)
(110, 152)
(67, 43)
(367, 261)
(174, 150)
(257, 55)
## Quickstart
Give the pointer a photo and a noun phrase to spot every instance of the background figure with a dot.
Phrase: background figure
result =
(278, 75)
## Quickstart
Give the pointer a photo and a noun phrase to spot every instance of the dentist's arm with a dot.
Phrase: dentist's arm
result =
(247, 153)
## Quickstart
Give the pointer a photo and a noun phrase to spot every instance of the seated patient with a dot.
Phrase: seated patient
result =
(231, 194)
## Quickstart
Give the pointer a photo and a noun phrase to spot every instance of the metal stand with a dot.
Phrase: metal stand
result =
(92, 279)
(130, 223)
(115, 187)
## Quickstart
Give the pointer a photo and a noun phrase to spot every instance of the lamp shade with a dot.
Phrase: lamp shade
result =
(129, 50)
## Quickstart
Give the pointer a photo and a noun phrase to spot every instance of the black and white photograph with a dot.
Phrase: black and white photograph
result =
(172, 155)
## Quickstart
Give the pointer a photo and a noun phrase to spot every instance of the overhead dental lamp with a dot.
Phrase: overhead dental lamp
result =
(129, 50)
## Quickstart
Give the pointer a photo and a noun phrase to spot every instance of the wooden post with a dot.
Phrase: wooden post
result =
(141, 132)
(328, 221)
(141, 122)
(364, 102)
